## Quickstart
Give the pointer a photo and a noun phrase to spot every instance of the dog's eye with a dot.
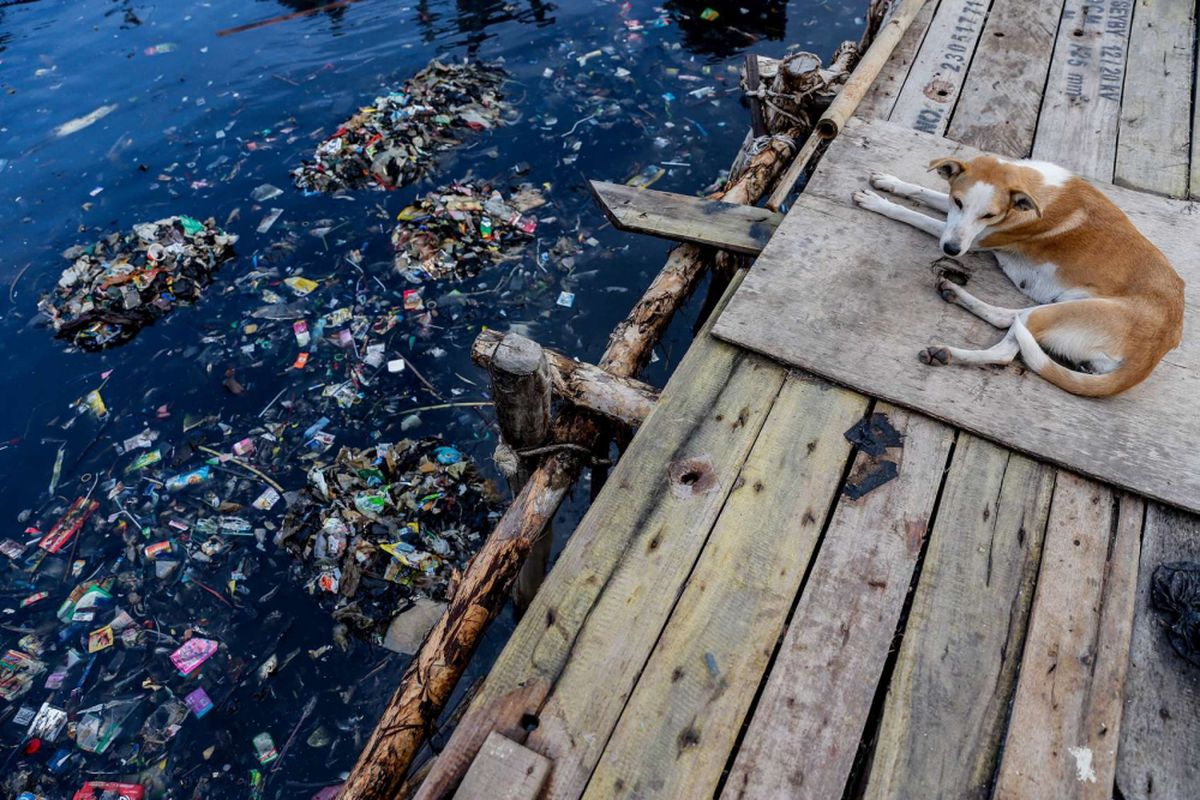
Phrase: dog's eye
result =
(958, 203)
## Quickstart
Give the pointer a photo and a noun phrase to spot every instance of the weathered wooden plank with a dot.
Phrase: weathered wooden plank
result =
(1078, 124)
(1160, 727)
(1066, 716)
(881, 97)
(937, 73)
(947, 705)
(729, 226)
(806, 726)
(1194, 189)
(711, 410)
(681, 722)
(504, 770)
(823, 299)
(1155, 128)
(998, 105)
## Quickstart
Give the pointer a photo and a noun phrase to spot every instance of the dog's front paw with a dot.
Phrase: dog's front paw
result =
(885, 182)
(869, 200)
(948, 290)
(934, 356)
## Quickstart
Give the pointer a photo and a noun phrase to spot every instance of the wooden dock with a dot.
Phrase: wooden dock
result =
(763, 604)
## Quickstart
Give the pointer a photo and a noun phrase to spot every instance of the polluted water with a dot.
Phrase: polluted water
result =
(245, 452)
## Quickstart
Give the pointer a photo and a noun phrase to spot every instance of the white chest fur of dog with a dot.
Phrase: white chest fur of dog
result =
(1109, 301)
(1037, 281)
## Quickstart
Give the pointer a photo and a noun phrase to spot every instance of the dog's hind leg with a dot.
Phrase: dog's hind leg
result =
(1003, 352)
(938, 201)
(992, 315)
(873, 202)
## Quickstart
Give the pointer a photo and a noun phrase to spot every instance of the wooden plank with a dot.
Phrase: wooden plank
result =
(504, 770)
(712, 408)
(1194, 189)
(947, 705)
(729, 226)
(933, 83)
(1155, 128)
(1077, 128)
(998, 105)
(1066, 716)
(680, 724)
(1161, 722)
(804, 734)
(825, 300)
(881, 97)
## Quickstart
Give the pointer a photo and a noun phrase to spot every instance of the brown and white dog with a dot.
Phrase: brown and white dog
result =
(1110, 301)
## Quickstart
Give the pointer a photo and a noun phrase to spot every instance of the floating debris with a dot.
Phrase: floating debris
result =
(459, 230)
(124, 282)
(383, 527)
(391, 142)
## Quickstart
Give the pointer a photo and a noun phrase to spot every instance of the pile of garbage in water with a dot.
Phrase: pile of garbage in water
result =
(124, 282)
(391, 142)
(458, 230)
(382, 528)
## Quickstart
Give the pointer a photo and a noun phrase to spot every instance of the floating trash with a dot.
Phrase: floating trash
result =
(391, 142)
(457, 231)
(381, 528)
(124, 282)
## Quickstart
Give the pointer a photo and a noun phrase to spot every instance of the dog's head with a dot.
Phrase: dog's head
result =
(985, 195)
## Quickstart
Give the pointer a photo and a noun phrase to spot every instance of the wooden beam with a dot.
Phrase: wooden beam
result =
(504, 770)
(625, 400)
(728, 226)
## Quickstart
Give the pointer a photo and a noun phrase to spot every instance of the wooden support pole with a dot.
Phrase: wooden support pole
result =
(521, 390)
(758, 125)
(624, 400)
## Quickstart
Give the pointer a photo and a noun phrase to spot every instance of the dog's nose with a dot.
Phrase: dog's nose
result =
(951, 249)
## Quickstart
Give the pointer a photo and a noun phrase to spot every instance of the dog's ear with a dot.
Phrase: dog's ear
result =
(1024, 202)
(948, 168)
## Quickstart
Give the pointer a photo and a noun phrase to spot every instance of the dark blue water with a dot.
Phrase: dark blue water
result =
(199, 121)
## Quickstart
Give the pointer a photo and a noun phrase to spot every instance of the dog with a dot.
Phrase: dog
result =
(1109, 301)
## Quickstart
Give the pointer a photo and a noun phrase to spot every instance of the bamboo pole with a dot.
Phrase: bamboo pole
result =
(844, 105)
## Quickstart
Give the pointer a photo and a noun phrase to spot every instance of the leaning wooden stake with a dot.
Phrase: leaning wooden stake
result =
(844, 105)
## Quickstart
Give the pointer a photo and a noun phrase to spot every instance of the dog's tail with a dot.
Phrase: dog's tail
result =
(1081, 383)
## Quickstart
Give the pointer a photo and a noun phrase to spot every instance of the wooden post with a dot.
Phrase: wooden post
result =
(758, 125)
(798, 76)
(521, 386)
